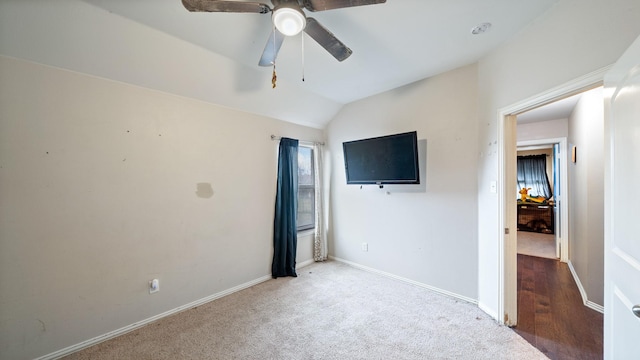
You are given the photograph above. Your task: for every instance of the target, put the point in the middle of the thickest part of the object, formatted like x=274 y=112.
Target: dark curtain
x=285 y=232
x=532 y=173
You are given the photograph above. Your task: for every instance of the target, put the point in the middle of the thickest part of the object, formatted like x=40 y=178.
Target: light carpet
x=330 y=311
x=537 y=244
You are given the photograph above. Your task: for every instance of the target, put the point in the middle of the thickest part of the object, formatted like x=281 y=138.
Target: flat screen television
x=391 y=159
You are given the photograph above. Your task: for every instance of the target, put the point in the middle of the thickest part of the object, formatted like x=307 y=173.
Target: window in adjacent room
x=532 y=174
x=306 y=189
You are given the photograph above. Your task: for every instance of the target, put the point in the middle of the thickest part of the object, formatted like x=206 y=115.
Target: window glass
x=306 y=189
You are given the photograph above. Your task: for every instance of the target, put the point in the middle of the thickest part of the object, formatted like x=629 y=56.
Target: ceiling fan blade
x=271 y=48
x=225 y=6
x=321 y=5
x=327 y=40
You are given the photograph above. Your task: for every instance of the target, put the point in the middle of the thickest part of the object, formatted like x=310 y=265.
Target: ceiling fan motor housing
x=288 y=17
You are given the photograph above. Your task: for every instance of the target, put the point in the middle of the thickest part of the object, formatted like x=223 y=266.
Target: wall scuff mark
x=204 y=190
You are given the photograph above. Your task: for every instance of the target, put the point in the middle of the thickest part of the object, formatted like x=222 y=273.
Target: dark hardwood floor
x=551 y=315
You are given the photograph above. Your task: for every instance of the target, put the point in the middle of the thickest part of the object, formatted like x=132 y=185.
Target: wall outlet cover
x=154 y=286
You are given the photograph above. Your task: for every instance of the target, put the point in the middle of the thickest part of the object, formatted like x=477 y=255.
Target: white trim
x=583 y=293
x=487 y=310
x=501 y=315
x=567 y=89
x=113 y=334
x=304 y=263
x=544 y=146
x=597 y=307
x=405 y=280
x=573 y=87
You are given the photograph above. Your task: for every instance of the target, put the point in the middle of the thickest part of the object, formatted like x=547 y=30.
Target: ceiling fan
x=288 y=19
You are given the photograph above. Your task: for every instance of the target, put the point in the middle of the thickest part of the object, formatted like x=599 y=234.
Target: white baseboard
x=112 y=334
x=409 y=281
x=583 y=293
x=597 y=307
x=304 y=263
x=490 y=312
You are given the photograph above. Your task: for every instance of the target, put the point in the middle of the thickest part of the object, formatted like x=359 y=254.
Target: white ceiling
x=393 y=44
x=560 y=109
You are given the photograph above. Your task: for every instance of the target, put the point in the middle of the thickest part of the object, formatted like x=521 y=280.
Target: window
x=306 y=189
x=532 y=174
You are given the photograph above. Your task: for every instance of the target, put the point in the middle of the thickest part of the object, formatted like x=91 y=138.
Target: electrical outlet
x=154 y=286
x=365 y=246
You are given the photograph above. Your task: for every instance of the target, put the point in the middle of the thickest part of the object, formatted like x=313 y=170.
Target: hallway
x=551 y=315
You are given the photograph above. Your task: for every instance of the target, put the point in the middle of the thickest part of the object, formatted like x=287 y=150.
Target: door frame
x=507 y=257
x=563 y=204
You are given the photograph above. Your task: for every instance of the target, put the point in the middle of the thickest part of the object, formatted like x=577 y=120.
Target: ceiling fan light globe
x=289 y=21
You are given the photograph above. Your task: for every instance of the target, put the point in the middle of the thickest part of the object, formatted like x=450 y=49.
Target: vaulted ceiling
x=395 y=43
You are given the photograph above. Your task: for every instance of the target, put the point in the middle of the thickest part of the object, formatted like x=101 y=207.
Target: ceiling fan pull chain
x=302 y=37
x=274 y=77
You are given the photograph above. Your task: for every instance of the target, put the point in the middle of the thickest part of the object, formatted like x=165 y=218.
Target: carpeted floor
x=537 y=244
x=330 y=311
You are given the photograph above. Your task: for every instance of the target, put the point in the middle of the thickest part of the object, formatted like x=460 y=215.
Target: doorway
x=507 y=135
x=532 y=304
x=542 y=226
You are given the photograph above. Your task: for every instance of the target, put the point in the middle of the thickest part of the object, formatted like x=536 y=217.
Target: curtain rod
x=273 y=137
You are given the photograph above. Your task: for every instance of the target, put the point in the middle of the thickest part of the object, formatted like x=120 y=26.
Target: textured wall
x=425 y=233
x=104 y=186
x=586 y=194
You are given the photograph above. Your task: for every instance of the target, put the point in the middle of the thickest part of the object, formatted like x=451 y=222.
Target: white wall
x=572 y=39
x=427 y=236
x=98 y=183
x=551 y=129
x=586 y=194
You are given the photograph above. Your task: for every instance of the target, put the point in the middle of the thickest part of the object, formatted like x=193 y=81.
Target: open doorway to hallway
x=542 y=221
x=557 y=237
x=565 y=139
x=591 y=293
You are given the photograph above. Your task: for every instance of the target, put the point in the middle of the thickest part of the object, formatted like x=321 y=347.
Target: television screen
x=391 y=159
